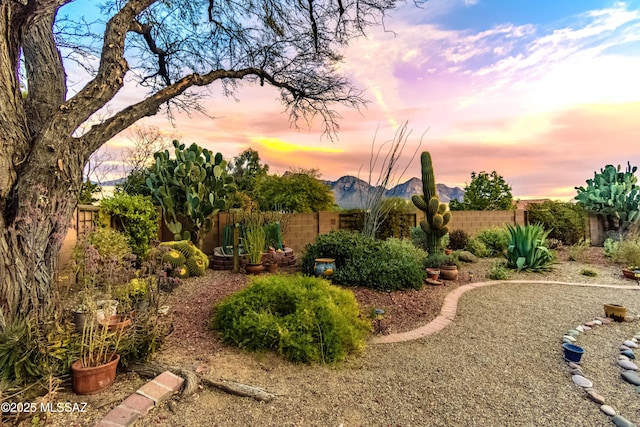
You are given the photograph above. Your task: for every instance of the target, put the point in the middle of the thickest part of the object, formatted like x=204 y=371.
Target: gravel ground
x=499 y=364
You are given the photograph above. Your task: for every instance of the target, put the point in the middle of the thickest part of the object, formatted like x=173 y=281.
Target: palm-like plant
x=526 y=250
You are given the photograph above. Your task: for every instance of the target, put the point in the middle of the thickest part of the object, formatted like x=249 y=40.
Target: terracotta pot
x=254 y=268
x=272 y=268
x=93 y=379
x=448 y=251
x=629 y=274
x=433 y=273
x=615 y=311
x=115 y=322
x=448 y=272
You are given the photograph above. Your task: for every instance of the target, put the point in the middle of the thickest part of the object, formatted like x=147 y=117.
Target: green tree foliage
x=246 y=169
x=299 y=190
x=191 y=188
x=135 y=184
x=87 y=192
x=136 y=216
x=485 y=192
x=614 y=196
x=566 y=221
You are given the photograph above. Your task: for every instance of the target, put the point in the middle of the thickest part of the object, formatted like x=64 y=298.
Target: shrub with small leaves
x=477 y=248
x=498 y=271
x=466 y=256
x=305 y=319
x=495 y=239
x=578 y=251
x=458 y=239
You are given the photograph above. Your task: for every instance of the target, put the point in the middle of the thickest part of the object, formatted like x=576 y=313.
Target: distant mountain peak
x=349 y=191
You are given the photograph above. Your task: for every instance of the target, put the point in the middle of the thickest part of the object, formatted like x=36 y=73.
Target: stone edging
x=450 y=305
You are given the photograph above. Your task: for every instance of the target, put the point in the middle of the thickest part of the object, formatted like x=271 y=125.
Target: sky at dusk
x=543 y=92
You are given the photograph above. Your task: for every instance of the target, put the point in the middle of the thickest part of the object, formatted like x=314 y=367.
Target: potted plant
x=449 y=268
x=96 y=368
x=254 y=240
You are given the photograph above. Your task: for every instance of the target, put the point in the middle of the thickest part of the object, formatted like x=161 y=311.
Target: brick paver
x=450 y=305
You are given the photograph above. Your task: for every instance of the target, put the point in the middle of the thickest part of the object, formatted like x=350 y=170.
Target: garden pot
x=572 y=353
x=272 y=268
x=448 y=272
x=448 y=251
x=93 y=379
x=114 y=323
x=615 y=311
x=80 y=318
x=433 y=273
x=324 y=267
x=254 y=268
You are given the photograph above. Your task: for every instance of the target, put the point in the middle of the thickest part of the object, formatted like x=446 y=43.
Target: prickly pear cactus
x=614 y=196
x=191 y=189
x=436 y=215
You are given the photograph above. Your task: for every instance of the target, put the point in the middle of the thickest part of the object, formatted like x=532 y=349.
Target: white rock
x=608 y=410
x=581 y=381
x=623 y=357
x=579 y=328
x=630 y=344
x=627 y=364
x=597 y=322
x=569 y=337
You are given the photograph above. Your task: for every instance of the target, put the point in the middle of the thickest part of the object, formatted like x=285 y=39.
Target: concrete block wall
x=474 y=221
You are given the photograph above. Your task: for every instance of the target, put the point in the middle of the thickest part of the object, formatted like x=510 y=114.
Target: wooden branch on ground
x=192 y=381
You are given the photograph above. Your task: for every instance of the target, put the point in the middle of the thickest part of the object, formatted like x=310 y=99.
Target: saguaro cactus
x=191 y=189
x=436 y=215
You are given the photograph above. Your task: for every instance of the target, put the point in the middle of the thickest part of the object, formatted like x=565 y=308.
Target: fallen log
x=192 y=381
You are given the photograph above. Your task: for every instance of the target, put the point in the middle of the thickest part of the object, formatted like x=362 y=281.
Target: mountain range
x=349 y=191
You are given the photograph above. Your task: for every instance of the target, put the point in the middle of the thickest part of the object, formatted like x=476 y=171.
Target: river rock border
x=629 y=368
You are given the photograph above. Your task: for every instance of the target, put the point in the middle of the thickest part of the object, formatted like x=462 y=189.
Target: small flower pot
x=615 y=311
x=433 y=273
x=572 y=353
x=94 y=378
x=254 y=268
x=324 y=267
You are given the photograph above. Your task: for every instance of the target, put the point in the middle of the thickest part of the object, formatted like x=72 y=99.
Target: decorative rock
x=627 y=364
x=621 y=421
x=629 y=353
x=590 y=324
x=630 y=344
x=608 y=410
x=584 y=382
x=605 y=320
x=576 y=371
x=586 y=328
x=570 y=338
x=635 y=340
x=579 y=328
x=597 y=322
x=574 y=365
x=566 y=341
x=595 y=396
x=629 y=318
x=572 y=333
x=631 y=377
x=623 y=357
x=624 y=348
x=637 y=337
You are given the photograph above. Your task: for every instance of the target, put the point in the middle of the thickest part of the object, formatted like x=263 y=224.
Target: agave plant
x=526 y=250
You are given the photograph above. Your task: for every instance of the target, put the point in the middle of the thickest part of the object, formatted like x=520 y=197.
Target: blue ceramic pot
x=324 y=267
x=572 y=353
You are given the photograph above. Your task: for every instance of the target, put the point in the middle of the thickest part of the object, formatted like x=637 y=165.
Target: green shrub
x=627 y=251
x=458 y=239
x=495 y=239
x=418 y=238
x=610 y=247
x=577 y=252
x=477 y=248
x=526 y=250
x=588 y=272
x=565 y=220
x=466 y=256
x=436 y=260
x=498 y=272
x=387 y=265
x=136 y=216
x=303 y=318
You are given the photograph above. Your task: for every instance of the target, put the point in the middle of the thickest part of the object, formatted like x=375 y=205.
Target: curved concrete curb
x=450 y=305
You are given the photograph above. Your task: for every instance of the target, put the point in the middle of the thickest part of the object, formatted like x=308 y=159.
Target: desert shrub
x=495 y=239
x=498 y=272
x=477 y=248
x=303 y=318
x=626 y=251
x=136 y=216
x=436 y=260
x=466 y=256
x=526 y=250
x=577 y=252
x=610 y=247
x=552 y=243
x=418 y=238
x=588 y=272
x=458 y=239
x=565 y=220
x=388 y=265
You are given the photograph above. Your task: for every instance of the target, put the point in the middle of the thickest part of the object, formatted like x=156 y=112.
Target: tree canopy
x=297 y=191
x=169 y=48
x=485 y=192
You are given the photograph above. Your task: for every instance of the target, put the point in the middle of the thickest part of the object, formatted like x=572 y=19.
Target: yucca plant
x=526 y=250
